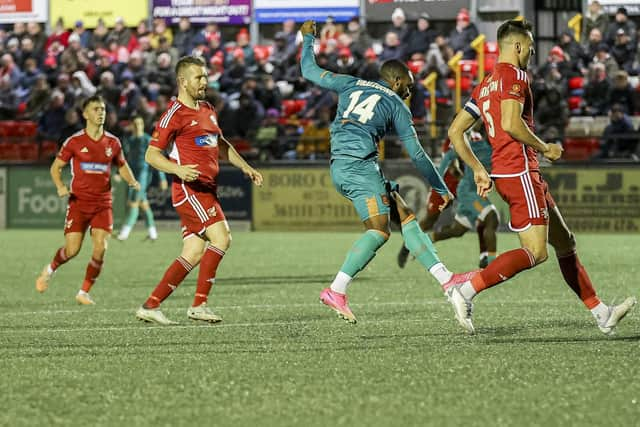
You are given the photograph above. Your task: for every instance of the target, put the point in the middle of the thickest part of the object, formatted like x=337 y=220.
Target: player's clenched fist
x=446 y=200
x=188 y=172
x=554 y=151
x=255 y=176
x=483 y=182
x=63 y=191
x=308 y=27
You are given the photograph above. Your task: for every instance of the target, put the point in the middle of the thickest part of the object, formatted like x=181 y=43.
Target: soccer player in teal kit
x=366 y=110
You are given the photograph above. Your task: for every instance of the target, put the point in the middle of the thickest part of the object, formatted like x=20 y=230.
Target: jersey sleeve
x=165 y=130
x=514 y=85
x=471 y=106
x=118 y=154
x=403 y=125
x=66 y=151
x=312 y=72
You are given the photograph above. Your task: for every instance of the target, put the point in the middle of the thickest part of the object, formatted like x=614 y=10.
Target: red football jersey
x=194 y=133
x=510 y=157
x=91 y=162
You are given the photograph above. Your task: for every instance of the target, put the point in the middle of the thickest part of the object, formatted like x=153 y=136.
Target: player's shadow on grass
x=515 y=333
x=561 y=340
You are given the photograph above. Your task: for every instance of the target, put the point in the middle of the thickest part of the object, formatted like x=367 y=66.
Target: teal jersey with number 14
x=366 y=111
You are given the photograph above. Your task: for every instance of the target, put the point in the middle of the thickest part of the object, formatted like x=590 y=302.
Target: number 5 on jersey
x=491 y=130
x=363 y=110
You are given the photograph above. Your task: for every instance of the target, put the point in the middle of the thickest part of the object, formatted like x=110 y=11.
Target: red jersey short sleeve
x=118 y=154
x=166 y=128
x=66 y=151
x=514 y=85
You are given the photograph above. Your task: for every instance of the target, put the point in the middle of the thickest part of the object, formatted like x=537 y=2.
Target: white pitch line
x=270 y=306
x=149 y=327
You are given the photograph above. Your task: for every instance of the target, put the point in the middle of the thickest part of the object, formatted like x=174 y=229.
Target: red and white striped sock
x=93 y=271
x=172 y=278
x=207 y=274
x=58 y=259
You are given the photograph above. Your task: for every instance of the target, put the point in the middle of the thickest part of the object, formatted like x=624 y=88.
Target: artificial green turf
x=282 y=359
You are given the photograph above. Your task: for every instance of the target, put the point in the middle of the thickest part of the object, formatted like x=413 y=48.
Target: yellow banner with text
x=301 y=199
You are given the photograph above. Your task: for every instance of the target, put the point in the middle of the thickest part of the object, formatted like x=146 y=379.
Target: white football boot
x=616 y=314
x=462 y=308
x=153 y=315
x=204 y=313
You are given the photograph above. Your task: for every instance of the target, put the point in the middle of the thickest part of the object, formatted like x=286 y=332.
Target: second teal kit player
x=366 y=111
x=135 y=145
x=472 y=211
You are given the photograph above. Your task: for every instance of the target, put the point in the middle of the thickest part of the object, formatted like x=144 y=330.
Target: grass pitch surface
x=280 y=358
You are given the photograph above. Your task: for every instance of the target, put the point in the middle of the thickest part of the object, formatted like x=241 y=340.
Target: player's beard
x=199 y=95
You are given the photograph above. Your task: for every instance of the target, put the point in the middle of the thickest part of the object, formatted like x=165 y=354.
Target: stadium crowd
x=266 y=107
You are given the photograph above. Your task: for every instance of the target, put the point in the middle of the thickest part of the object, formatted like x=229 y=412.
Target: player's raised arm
x=513 y=123
x=228 y=152
x=310 y=70
x=461 y=123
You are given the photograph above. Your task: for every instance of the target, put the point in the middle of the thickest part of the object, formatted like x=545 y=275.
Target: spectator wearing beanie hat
x=604 y=57
x=400 y=26
x=623 y=22
x=463 y=34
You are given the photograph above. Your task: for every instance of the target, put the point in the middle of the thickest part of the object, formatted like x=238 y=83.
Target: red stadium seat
x=466 y=84
x=416 y=66
x=293 y=106
x=28 y=151
x=469 y=67
x=301 y=104
x=9 y=128
x=490 y=62
x=576 y=83
x=580 y=148
x=288 y=107
x=451 y=83
x=26 y=128
x=48 y=149
x=575 y=102
x=244 y=147
x=10 y=151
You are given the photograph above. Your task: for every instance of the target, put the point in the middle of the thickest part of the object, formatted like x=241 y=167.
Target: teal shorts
x=470 y=207
x=144 y=179
x=362 y=182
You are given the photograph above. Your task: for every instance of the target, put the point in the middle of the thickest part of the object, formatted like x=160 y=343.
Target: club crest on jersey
x=212 y=212
x=515 y=89
x=108 y=151
x=207 y=141
x=213 y=119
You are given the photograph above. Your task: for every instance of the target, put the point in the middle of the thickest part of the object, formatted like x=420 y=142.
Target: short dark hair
x=514 y=26
x=93 y=98
x=185 y=61
x=393 y=69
